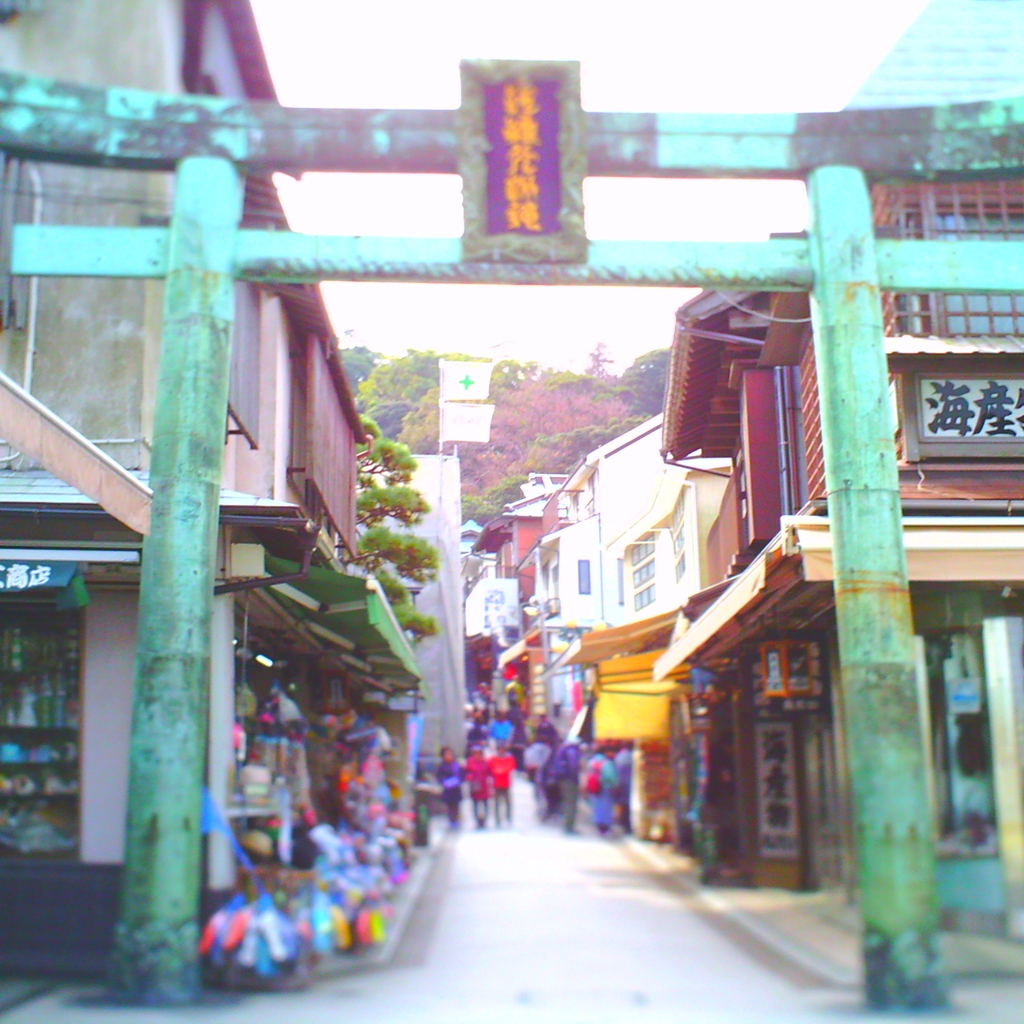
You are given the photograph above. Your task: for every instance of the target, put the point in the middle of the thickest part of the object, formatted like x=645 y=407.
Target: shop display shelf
x=63 y=763
x=63 y=730
x=36 y=796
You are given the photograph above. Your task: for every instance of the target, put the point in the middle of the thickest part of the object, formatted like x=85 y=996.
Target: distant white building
x=441 y=658
x=627 y=545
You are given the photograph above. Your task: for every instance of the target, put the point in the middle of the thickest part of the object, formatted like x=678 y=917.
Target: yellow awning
x=631 y=716
x=630 y=704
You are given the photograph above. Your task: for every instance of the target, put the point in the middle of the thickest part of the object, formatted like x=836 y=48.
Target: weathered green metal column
x=895 y=846
x=155 y=958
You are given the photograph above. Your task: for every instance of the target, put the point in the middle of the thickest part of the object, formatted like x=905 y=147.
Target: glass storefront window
x=39 y=720
x=961 y=745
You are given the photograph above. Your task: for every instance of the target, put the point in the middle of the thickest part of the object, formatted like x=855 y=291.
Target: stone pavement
x=820 y=931
x=529 y=925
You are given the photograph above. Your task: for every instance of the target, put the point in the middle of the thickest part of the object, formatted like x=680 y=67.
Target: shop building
x=772 y=800
x=501 y=571
x=662 y=563
x=288 y=624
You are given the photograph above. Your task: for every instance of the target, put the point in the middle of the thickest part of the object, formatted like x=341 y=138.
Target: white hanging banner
x=465 y=421
x=464 y=381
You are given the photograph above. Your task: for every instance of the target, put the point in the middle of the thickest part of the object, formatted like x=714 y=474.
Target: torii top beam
x=48 y=120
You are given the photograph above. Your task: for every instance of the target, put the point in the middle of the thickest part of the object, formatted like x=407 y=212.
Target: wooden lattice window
x=986 y=210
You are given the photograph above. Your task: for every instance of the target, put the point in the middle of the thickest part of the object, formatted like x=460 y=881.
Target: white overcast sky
x=797 y=55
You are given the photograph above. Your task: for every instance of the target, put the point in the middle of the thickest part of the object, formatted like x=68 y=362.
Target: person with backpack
x=602 y=783
x=565 y=770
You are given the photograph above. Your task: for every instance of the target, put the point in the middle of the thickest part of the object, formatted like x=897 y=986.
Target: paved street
x=527 y=924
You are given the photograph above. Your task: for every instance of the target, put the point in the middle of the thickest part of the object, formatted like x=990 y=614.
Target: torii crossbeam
x=212 y=142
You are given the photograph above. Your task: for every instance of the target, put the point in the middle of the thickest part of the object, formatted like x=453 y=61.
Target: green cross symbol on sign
x=467 y=382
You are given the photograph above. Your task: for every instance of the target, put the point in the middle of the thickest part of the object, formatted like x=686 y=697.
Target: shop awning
x=631 y=704
x=518 y=648
x=978 y=549
x=354 y=614
x=665 y=499
x=629 y=716
x=939 y=548
x=601 y=644
x=734 y=601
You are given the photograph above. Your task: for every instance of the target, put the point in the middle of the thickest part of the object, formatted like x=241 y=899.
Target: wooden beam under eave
x=38 y=433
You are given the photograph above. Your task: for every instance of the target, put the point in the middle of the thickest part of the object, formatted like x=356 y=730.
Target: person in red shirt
x=478 y=775
x=502 y=765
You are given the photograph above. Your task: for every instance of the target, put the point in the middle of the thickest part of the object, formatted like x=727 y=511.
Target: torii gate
x=211 y=142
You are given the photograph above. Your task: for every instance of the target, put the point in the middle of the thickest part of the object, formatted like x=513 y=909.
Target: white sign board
x=465 y=421
x=492 y=608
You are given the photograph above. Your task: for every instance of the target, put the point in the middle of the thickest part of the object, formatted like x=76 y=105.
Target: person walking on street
x=551 y=788
x=449 y=775
x=502 y=765
x=478 y=776
x=535 y=758
x=517 y=744
x=477 y=734
x=501 y=729
x=602 y=780
x=565 y=769
x=547 y=733
x=623 y=762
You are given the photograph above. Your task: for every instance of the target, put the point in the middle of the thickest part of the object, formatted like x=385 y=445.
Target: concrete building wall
x=442 y=657
x=95 y=346
x=108 y=654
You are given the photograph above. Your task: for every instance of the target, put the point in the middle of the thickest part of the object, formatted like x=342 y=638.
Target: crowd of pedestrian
x=501 y=741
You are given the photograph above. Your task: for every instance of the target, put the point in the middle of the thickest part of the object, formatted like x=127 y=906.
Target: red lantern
x=510 y=672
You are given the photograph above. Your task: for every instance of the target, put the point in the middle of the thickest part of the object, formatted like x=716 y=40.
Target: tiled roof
x=956 y=51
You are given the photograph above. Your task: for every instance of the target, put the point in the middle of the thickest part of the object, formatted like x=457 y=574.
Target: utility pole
x=895 y=847
x=156 y=958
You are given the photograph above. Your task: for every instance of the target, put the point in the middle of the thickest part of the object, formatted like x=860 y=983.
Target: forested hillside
x=545 y=420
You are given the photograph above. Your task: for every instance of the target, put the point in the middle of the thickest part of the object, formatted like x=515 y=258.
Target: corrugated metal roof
x=909 y=345
x=956 y=51
x=34 y=487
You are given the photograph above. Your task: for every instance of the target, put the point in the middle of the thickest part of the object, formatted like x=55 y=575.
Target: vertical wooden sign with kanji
x=522 y=157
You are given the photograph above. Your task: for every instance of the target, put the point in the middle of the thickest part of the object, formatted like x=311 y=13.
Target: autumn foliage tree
x=545 y=420
x=387 y=508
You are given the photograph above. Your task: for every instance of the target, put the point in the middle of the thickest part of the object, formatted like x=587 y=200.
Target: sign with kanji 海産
x=972 y=407
x=967 y=414
x=522 y=156
x=777 y=824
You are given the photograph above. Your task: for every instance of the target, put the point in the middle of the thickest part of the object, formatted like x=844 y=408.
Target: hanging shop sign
x=789 y=676
x=777 y=824
x=522 y=157
x=965 y=415
x=17 y=576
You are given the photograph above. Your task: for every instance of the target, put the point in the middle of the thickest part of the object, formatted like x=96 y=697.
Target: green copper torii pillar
x=895 y=845
x=155 y=958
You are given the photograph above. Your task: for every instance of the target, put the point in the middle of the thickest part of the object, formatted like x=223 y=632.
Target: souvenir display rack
x=39 y=732
x=322 y=843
